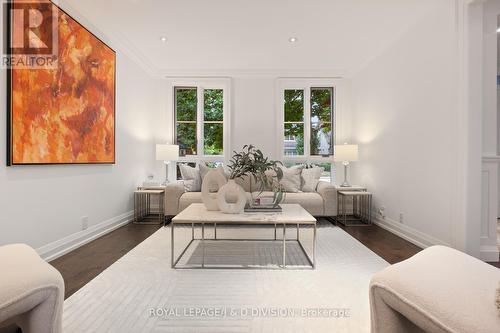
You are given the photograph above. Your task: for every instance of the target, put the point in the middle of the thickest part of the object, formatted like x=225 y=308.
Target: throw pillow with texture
x=204 y=169
x=291 y=180
x=310 y=178
x=191 y=178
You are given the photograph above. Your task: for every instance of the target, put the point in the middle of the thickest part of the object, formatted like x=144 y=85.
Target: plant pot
x=237 y=196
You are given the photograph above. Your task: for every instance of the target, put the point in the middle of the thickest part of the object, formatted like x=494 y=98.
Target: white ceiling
x=221 y=35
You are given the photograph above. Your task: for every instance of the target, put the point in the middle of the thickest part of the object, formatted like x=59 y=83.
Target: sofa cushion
x=189 y=198
x=195 y=197
x=312 y=201
x=245 y=183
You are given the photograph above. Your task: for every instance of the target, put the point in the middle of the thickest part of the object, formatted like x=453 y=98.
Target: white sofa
x=321 y=203
x=438 y=290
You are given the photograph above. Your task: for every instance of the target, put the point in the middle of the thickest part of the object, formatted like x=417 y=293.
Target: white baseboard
x=62 y=246
x=412 y=235
x=489 y=253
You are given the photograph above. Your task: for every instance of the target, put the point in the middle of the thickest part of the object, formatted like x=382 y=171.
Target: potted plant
x=265 y=173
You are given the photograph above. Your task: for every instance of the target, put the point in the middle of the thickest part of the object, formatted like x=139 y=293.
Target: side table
x=350 y=188
x=358 y=212
x=143 y=214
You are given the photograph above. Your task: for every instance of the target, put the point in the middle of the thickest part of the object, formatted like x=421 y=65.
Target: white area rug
x=141 y=293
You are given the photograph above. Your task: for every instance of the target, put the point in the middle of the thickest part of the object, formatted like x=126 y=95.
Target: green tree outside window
x=186 y=107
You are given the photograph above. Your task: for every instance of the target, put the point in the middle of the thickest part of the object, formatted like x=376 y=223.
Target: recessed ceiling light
x=498 y=30
x=163 y=39
x=293 y=39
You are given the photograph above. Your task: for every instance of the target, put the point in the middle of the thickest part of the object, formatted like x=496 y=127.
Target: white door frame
x=467 y=203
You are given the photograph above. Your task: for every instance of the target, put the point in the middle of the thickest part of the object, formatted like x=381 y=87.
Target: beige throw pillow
x=191 y=178
x=204 y=169
x=310 y=178
x=291 y=180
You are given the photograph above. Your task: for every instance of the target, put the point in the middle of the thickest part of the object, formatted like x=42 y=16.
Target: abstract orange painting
x=64 y=114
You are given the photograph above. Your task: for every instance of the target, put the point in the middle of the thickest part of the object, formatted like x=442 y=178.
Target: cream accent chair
x=438 y=290
x=31 y=291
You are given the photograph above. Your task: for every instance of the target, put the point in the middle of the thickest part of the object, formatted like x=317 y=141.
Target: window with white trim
x=307 y=132
x=200 y=118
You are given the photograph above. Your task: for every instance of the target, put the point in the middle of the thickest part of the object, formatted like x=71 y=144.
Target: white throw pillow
x=310 y=178
x=191 y=178
x=291 y=178
x=204 y=169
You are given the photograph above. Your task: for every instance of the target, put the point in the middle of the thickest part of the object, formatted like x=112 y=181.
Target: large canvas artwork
x=64 y=114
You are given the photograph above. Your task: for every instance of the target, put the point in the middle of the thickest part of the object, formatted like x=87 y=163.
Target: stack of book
x=263 y=209
x=263 y=204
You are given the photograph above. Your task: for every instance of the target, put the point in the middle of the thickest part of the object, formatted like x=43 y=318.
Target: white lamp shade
x=346 y=153
x=167 y=152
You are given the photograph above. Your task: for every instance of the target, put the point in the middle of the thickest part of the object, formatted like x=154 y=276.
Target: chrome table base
x=203 y=239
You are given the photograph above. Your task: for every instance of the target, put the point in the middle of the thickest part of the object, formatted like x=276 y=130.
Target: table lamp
x=167 y=153
x=346 y=153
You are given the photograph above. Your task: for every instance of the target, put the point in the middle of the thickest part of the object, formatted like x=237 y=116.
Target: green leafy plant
x=252 y=162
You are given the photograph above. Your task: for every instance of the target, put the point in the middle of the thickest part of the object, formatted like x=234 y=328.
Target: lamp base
x=345 y=183
x=167 y=163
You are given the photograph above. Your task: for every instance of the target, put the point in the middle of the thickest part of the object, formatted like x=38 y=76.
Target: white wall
x=403 y=118
x=43 y=205
x=253 y=113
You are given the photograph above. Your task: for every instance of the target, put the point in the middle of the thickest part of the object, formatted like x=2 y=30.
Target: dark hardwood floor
x=384 y=243
x=496 y=264
x=85 y=263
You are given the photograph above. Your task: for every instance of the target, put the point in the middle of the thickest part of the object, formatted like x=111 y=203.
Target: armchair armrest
x=173 y=193
x=329 y=194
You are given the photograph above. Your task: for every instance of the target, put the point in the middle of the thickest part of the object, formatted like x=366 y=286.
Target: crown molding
x=470 y=2
x=231 y=72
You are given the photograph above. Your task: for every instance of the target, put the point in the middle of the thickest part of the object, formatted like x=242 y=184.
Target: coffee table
x=197 y=214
